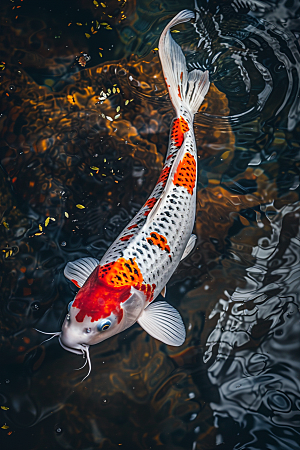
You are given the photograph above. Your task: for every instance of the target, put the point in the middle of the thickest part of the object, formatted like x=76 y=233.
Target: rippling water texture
x=85 y=120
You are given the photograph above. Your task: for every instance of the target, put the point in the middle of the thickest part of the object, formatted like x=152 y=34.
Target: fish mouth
x=78 y=351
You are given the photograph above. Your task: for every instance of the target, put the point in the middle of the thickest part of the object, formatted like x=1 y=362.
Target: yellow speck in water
x=225 y=155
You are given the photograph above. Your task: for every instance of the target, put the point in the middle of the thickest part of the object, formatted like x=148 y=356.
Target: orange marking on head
x=180 y=126
x=159 y=240
x=108 y=287
x=126 y=238
x=186 y=173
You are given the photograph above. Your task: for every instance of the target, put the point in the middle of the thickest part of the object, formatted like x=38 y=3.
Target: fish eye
x=104 y=325
x=88 y=330
x=70 y=304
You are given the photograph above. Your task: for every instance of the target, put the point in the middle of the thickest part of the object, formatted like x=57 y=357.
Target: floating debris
x=83 y=58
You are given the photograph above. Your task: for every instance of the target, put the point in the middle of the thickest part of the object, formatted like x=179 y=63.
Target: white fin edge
x=163 y=322
x=185 y=89
x=189 y=246
x=79 y=270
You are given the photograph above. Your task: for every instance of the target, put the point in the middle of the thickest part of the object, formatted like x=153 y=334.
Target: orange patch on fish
x=159 y=240
x=186 y=173
x=180 y=126
x=121 y=272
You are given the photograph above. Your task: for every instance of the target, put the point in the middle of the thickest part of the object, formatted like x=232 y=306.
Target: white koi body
x=119 y=290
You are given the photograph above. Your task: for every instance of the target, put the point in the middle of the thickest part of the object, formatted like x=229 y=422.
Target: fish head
x=98 y=312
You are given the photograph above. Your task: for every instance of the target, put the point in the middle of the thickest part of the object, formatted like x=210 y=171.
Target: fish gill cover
x=85 y=119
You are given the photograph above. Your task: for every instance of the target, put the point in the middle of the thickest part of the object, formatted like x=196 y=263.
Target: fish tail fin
x=186 y=89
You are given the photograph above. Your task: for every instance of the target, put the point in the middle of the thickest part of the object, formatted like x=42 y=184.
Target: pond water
x=85 y=119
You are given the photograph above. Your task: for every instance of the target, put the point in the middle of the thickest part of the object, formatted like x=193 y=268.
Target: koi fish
x=120 y=289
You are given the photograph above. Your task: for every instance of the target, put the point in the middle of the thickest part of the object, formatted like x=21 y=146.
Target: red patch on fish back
x=164 y=176
x=186 y=173
x=150 y=203
x=108 y=287
x=159 y=240
x=179 y=93
x=132 y=226
x=180 y=126
x=126 y=238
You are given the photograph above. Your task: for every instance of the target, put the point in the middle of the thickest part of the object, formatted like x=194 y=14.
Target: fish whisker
x=88 y=360
x=83 y=364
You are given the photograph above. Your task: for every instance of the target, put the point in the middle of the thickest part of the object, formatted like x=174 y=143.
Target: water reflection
x=234 y=383
x=253 y=350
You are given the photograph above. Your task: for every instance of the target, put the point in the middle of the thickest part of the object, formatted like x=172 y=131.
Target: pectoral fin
x=164 y=291
x=163 y=322
x=78 y=271
x=189 y=247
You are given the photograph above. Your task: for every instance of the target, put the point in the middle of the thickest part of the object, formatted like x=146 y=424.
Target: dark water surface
x=235 y=383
